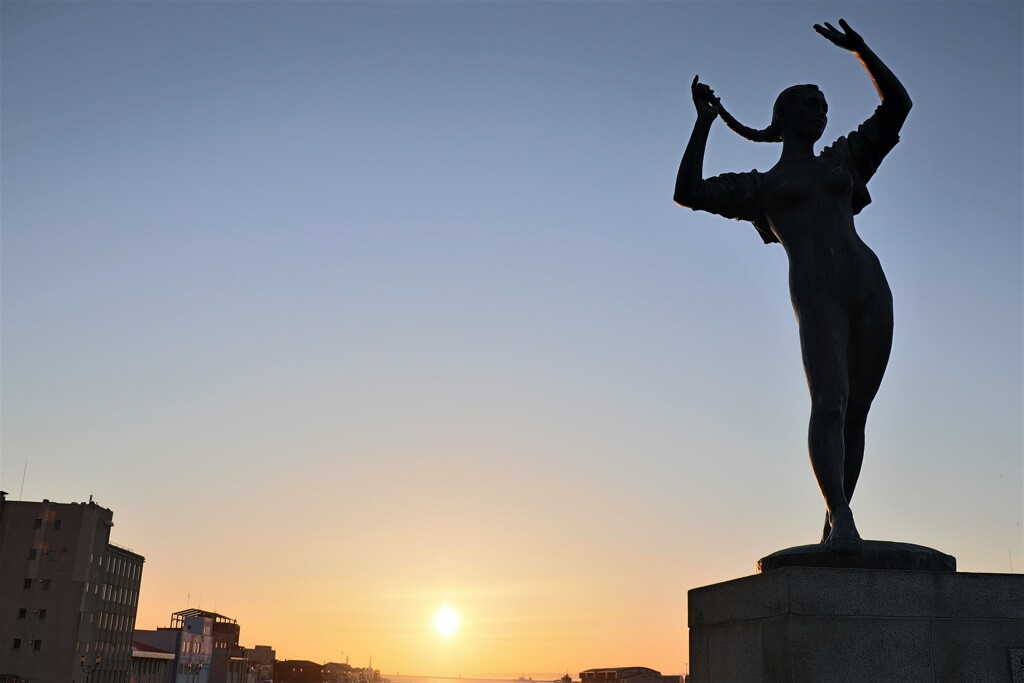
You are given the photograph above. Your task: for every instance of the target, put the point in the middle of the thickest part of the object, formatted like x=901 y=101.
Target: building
x=627 y=674
x=191 y=643
x=298 y=671
x=263 y=656
x=338 y=672
x=203 y=643
x=67 y=594
x=224 y=632
x=150 y=664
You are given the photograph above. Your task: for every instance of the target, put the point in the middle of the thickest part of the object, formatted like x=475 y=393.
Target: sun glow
x=446 y=621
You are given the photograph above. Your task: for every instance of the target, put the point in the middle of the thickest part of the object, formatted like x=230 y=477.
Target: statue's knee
x=857 y=415
x=829 y=408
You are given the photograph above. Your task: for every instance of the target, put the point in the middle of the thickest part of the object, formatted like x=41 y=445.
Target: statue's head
x=799 y=110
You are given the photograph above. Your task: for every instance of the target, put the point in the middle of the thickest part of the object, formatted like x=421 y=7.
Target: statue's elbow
x=905 y=103
x=684 y=199
x=900 y=103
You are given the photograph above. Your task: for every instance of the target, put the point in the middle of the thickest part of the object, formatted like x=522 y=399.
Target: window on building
x=16 y=644
x=37 y=645
x=27 y=583
x=56 y=524
x=37 y=523
x=21 y=612
x=42 y=614
x=46 y=584
x=32 y=553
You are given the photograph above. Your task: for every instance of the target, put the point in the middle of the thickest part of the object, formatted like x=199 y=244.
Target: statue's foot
x=827 y=530
x=844 y=537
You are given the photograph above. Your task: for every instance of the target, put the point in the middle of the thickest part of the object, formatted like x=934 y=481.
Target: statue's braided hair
x=773 y=133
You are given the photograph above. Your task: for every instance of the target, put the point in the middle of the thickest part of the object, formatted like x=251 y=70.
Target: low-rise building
x=626 y=674
x=151 y=664
x=298 y=671
x=263 y=657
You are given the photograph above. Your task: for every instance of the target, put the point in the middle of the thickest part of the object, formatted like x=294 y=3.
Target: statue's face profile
x=802 y=112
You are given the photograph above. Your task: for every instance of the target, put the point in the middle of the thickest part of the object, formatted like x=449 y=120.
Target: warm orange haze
x=377 y=330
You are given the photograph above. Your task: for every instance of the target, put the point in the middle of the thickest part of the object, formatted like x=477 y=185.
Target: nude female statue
x=842 y=301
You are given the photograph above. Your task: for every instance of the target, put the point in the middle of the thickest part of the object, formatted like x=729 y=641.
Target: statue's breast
x=839 y=181
x=793 y=185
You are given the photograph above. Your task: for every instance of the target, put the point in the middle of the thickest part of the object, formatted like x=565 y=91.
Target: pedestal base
x=812 y=624
x=872 y=555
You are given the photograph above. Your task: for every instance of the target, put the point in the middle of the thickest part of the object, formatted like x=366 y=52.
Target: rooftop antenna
x=21 y=492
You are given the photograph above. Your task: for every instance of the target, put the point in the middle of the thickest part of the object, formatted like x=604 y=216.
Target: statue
x=842 y=301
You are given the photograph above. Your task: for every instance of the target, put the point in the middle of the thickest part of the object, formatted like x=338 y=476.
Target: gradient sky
x=350 y=310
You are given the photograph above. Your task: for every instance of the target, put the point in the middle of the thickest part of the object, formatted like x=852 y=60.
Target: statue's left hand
x=850 y=40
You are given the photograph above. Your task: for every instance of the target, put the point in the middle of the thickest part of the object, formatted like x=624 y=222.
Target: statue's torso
x=807 y=203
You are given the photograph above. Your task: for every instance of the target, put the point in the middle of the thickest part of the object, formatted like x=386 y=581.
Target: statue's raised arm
x=892 y=93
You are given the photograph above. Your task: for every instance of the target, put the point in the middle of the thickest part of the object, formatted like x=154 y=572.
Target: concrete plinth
x=798 y=624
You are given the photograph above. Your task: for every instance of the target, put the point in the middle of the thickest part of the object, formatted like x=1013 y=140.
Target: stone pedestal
x=810 y=624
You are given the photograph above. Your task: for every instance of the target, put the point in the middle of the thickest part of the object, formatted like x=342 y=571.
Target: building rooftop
x=178 y=618
x=620 y=672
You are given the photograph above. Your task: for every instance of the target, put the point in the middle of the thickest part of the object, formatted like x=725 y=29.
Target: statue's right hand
x=704 y=100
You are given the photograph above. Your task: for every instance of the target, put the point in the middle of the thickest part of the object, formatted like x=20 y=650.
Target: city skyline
x=350 y=311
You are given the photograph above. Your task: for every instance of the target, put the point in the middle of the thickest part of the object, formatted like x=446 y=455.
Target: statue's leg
x=870 y=344
x=824 y=341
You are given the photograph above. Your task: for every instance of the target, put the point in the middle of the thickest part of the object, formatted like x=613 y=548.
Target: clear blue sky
x=407 y=277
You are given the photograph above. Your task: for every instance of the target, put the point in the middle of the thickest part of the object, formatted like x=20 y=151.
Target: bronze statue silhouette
x=842 y=301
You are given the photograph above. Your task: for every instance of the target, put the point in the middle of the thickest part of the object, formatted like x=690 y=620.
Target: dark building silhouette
x=298 y=671
x=626 y=674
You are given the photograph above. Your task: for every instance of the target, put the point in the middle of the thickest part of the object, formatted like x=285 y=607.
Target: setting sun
x=446 y=621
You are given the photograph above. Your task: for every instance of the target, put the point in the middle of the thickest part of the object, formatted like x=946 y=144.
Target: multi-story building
x=190 y=639
x=203 y=644
x=68 y=596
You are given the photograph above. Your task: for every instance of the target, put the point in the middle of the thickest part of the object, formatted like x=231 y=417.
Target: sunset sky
x=351 y=311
